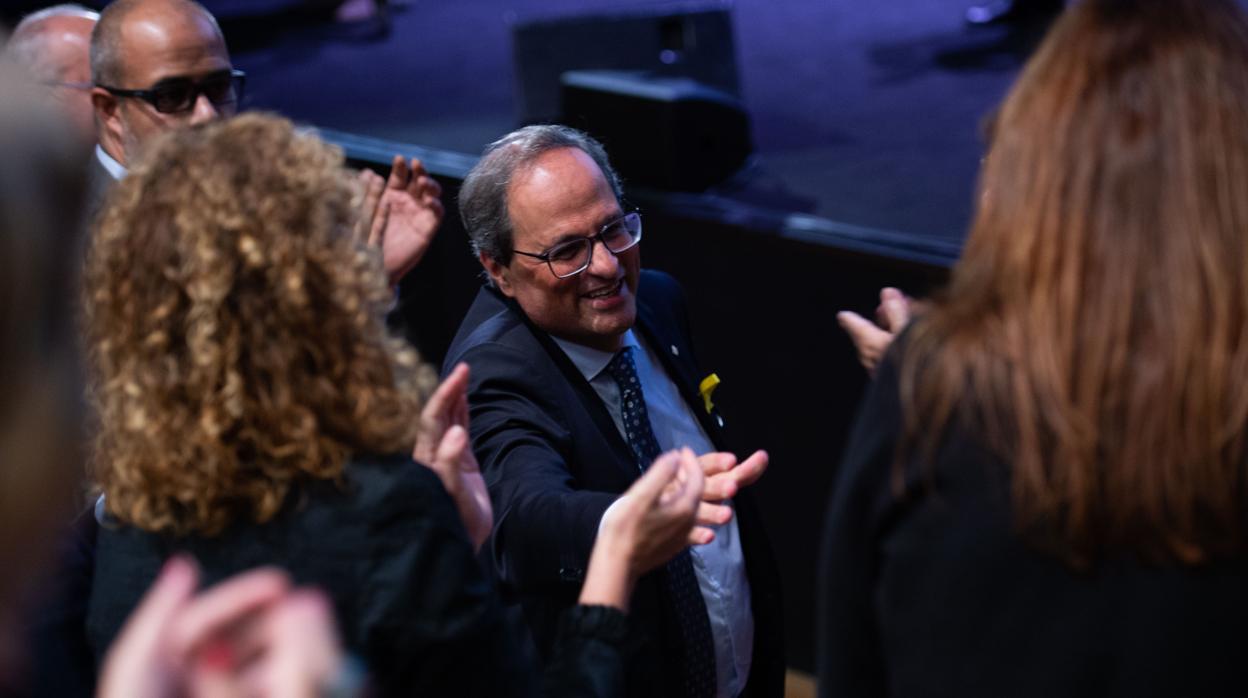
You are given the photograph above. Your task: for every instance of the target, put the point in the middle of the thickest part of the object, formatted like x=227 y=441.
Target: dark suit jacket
x=554 y=461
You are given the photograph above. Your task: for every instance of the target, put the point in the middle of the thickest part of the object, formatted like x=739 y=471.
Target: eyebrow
x=569 y=237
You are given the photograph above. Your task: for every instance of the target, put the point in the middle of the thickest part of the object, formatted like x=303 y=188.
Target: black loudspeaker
x=689 y=39
x=667 y=133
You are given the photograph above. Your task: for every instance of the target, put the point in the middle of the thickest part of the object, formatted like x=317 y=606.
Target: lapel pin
x=706 y=389
x=675 y=351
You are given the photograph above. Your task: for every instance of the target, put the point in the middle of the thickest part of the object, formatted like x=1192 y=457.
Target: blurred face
x=561 y=196
x=161 y=46
x=66 y=54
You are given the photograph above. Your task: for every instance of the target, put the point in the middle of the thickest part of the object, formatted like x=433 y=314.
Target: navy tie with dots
x=690 y=609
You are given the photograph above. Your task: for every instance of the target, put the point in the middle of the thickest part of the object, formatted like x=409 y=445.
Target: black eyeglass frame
x=591 y=239
x=238 y=80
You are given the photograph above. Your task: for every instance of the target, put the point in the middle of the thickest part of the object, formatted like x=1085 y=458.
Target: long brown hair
x=236 y=330
x=1096 y=328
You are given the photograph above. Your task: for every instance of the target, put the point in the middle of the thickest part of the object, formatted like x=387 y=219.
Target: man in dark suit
x=582 y=370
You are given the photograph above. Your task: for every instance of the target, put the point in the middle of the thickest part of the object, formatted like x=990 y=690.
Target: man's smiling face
x=560 y=196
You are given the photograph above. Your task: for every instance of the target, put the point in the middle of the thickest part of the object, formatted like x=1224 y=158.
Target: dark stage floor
x=870 y=109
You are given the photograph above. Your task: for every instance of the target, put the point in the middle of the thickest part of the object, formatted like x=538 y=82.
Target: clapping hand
x=442 y=444
x=250 y=635
x=400 y=215
x=872 y=339
x=652 y=522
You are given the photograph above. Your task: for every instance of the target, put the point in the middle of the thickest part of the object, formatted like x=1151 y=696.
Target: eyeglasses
x=69 y=85
x=573 y=257
x=178 y=95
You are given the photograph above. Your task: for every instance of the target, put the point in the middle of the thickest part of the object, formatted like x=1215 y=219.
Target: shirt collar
x=114 y=168
x=589 y=361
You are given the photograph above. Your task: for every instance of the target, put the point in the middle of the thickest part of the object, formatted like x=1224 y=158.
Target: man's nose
x=604 y=262
x=204 y=110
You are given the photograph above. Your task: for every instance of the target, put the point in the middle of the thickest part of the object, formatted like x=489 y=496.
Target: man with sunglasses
x=163 y=64
x=157 y=65
x=582 y=371
x=53 y=45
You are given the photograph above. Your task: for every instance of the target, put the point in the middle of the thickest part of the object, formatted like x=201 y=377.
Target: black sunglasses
x=177 y=95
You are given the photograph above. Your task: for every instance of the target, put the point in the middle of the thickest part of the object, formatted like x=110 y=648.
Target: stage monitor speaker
x=667 y=133
x=688 y=39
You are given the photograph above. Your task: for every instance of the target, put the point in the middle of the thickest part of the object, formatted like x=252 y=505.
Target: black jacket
x=931 y=592
x=554 y=461
x=410 y=599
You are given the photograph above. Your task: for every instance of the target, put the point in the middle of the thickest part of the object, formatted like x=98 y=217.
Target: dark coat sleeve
x=849 y=657
x=429 y=619
x=545 y=522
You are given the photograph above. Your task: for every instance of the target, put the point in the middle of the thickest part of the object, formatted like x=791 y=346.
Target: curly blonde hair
x=235 y=330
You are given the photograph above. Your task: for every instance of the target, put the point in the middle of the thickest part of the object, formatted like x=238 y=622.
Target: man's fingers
x=713 y=514
x=377 y=237
x=430 y=187
x=752 y=468
x=226 y=604
x=400 y=175
x=720 y=487
x=716 y=462
x=700 y=535
x=434 y=204
x=373 y=185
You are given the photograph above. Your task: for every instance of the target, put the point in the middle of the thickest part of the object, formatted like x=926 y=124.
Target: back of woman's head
x=1096 y=329
x=42 y=182
x=236 y=329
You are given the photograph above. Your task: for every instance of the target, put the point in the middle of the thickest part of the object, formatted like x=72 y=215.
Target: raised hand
x=871 y=339
x=442 y=444
x=724 y=478
x=400 y=215
x=411 y=213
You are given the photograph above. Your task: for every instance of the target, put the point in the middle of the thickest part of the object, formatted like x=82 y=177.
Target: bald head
x=129 y=28
x=148 y=44
x=53 y=46
x=54 y=43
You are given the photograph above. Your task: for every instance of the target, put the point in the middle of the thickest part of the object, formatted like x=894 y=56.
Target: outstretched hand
x=645 y=528
x=400 y=215
x=724 y=478
x=872 y=339
x=442 y=444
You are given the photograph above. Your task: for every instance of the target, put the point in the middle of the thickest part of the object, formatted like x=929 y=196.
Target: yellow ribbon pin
x=706 y=389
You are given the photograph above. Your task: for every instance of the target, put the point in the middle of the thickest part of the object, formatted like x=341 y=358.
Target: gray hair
x=28 y=44
x=483 y=196
x=106 y=40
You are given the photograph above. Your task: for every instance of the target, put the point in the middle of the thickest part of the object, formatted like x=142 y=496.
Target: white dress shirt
x=719 y=565
x=114 y=168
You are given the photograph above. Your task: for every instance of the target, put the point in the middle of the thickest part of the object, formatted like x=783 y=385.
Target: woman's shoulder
x=392 y=491
x=379 y=479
